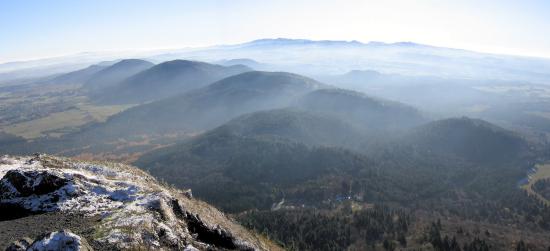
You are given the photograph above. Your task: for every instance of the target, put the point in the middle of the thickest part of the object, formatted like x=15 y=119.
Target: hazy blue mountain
x=77 y=77
x=371 y=80
x=209 y=106
x=323 y=57
x=75 y=73
x=439 y=96
x=471 y=139
x=362 y=111
x=243 y=61
x=314 y=58
x=357 y=77
x=295 y=125
x=277 y=42
x=167 y=79
x=39 y=68
x=116 y=73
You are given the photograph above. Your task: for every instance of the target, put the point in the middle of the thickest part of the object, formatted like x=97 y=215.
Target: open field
x=57 y=123
x=542 y=172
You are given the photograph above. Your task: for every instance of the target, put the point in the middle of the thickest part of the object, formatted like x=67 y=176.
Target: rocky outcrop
x=17 y=186
x=27 y=183
x=204 y=233
x=134 y=210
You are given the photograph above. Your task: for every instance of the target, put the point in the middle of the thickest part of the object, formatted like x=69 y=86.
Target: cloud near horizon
x=35 y=29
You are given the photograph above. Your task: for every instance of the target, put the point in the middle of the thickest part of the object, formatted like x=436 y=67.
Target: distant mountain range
x=302 y=42
x=164 y=80
x=79 y=76
x=114 y=74
x=335 y=57
x=324 y=57
x=211 y=105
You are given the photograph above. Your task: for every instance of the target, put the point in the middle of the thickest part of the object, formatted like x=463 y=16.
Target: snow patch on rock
x=62 y=240
x=190 y=248
x=128 y=199
x=135 y=209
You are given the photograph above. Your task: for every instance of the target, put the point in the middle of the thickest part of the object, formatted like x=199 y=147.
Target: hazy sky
x=39 y=28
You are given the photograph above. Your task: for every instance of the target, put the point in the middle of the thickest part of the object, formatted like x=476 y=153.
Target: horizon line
x=152 y=50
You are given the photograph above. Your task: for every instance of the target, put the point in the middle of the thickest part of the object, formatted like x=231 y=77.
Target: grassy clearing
x=542 y=172
x=56 y=124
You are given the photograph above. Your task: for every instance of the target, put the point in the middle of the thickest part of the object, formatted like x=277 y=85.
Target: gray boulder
x=25 y=183
x=60 y=240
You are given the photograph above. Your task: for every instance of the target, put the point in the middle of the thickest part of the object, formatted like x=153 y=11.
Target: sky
x=32 y=29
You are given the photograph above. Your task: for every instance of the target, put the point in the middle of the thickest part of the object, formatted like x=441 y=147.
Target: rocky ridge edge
x=135 y=210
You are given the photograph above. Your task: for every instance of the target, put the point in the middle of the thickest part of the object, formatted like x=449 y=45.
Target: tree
x=389 y=245
x=521 y=246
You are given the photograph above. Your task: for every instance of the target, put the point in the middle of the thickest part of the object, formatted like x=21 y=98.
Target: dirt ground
x=35 y=225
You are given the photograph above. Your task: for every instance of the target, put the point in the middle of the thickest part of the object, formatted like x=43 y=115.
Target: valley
x=362 y=160
x=58 y=123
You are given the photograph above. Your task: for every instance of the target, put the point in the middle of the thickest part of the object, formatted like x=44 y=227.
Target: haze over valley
x=276 y=144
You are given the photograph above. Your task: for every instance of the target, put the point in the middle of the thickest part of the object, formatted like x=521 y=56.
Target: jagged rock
x=134 y=209
x=62 y=240
x=214 y=236
x=177 y=209
x=188 y=193
x=26 y=183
